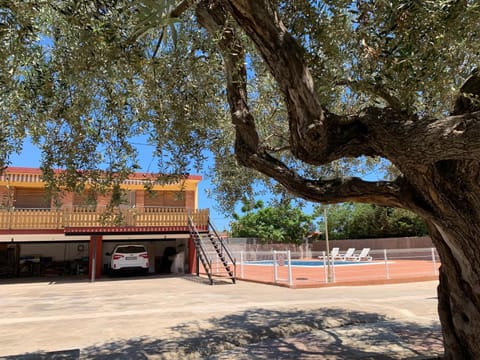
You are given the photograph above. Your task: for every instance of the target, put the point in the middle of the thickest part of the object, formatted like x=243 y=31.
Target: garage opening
x=71 y=258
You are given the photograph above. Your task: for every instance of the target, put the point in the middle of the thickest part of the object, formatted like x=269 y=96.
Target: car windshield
x=130 y=249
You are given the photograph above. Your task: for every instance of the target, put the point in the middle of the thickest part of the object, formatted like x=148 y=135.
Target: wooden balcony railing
x=24 y=219
x=47 y=219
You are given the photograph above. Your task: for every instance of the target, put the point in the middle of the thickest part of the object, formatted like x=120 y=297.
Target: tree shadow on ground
x=270 y=334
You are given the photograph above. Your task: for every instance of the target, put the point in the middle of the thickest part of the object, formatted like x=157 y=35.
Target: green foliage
x=360 y=221
x=282 y=223
x=80 y=79
x=416 y=51
x=85 y=79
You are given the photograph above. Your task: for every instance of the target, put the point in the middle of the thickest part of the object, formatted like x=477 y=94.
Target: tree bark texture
x=438 y=158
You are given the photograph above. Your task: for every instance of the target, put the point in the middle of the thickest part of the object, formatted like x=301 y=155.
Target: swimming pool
x=305 y=263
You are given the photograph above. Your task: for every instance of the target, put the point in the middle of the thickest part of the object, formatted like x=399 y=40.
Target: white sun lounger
x=363 y=255
x=334 y=254
x=348 y=254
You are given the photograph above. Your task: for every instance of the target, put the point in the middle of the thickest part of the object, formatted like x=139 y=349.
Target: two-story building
x=40 y=237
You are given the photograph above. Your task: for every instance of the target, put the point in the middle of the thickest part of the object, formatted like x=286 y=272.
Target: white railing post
x=434 y=261
x=387 y=272
x=289 y=258
x=334 y=276
x=242 y=275
x=325 y=270
x=275 y=270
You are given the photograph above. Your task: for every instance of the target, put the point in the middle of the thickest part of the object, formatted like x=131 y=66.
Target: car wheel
x=113 y=272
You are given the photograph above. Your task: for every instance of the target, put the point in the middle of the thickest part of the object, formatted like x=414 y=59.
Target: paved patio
x=184 y=318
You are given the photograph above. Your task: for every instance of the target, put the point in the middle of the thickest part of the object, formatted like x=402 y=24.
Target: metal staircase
x=223 y=252
x=212 y=253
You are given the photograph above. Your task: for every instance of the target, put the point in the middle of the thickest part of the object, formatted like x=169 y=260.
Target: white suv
x=129 y=257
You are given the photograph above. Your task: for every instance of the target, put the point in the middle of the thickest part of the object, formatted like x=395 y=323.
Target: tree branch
x=387 y=132
x=214 y=19
x=315 y=134
x=469 y=98
x=248 y=150
x=181 y=8
x=454 y=137
x=316 y=137
x=284 y=57
x=328 y=191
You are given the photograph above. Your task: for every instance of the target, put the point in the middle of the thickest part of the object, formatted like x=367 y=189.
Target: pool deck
x=369 y=273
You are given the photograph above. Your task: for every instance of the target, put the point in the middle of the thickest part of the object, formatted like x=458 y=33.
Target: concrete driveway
x=185 y=318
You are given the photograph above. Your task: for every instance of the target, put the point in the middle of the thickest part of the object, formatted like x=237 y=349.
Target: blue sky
x=30 y=157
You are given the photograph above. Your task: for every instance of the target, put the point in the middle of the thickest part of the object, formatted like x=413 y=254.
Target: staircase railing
x=201 y=253
x=223 y=252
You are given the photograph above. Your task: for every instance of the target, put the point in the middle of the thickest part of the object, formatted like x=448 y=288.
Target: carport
x=60 y=254
x=48 y=254
x=161 y=242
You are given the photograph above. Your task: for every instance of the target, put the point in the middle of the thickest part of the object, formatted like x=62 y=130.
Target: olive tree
x=314 y=90
x=364 y=221
x=282 y=222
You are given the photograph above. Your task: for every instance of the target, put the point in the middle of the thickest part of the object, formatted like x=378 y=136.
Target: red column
x=95 y=248
x=192 y=257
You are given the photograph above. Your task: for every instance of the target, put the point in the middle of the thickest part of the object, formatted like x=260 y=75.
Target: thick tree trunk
x=438 y=158
x=458 y=301
x=452 y=191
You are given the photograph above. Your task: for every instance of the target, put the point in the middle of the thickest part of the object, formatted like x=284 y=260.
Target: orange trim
x=23 y=170
x=30 y=231
x=129 y=230
x=37 y=171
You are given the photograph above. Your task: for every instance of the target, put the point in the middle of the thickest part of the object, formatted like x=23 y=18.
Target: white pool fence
x=281 y=267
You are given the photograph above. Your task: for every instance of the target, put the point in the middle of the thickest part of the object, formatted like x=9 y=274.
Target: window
x=31 y=199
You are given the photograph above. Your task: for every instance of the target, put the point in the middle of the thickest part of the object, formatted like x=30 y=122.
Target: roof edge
x=38 y=171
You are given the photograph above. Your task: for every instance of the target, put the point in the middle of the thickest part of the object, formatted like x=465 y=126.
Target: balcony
x=85 y=220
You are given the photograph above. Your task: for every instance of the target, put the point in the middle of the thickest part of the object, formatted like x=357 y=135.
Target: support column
x=192 y=257
x=95 y=255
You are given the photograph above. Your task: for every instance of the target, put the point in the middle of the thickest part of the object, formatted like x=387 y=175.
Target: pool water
x=306 y=263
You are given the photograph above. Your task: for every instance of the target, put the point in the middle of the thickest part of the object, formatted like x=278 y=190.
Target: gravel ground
x=239 y=322
x=322 y=334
